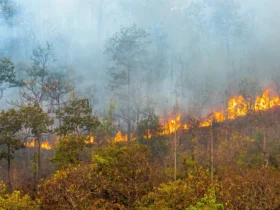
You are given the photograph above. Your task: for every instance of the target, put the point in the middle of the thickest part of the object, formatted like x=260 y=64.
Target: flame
x=30 y=144
x=90 y=140
x=44 y=145
x=237 y=107
x=122 y=138
x=206 y=123
x=149 y=135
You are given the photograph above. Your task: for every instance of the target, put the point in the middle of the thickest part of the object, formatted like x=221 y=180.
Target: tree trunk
x=265 y=150
x=128 y=107
x=59 y=118
x=212 y=153
x=39 y=159
x=9 y=167
x=175 y=154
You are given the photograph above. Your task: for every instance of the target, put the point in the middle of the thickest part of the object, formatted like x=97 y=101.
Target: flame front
x=237 y=107
x=44 y=145
x=90 y=140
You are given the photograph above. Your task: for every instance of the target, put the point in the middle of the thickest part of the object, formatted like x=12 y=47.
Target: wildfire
x=149 y=135
x=173 y=125
x=122 y=138
x=90 y=140
x=237 y=107
x=44 y=145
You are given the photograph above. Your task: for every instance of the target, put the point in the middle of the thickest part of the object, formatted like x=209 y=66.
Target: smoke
x=184 y=32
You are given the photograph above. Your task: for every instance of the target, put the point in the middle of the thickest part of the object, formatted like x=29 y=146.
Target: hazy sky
x=78 y=30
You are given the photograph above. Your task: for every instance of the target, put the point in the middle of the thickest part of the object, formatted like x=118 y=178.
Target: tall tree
x=58 y=86
x=10 y=125
x=7 y=75
x=127 y=51
x=76 y=118
x=8 y=9
x=37 y=76
x=36 y=122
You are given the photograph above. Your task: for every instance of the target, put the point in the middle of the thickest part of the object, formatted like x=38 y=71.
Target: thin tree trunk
x=59 y=119
x=265 y=150
x=9 y=167
x=39 y=159
x=175 y=153
x=128 y=107
x=212 y=154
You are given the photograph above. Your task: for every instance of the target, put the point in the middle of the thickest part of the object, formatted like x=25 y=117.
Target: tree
x=7 y=75
x=149 y=132
x=117 y=177
x=37 y=77
x=16 y=201
x=68 y=189
x=10 y=125
x=90 y=93
x=228 y=22
x=127 y=50
x=58 y=86
x=76 y=118
x=7 y=10
x=36 y=123
x=207 y=203
x=249 y=88
x=125 y=173
x=245 y=188
x=67 y=150
x=107 y=128
x=178 y=194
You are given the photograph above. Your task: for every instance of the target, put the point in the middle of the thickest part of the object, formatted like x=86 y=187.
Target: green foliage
x=35 y=119
x=7 y=74
x=178 y=194
x=118 y=177
x=107 y=128
x=149 y=132
x=10 y=125
x=15 y=201
x=207 y=203
x=127 y=50
x=3 y=188
x=149 y=127
x=126 y=172
x=67 y=150
x=77 y=118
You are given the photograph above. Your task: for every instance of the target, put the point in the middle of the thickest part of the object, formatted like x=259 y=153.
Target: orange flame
x=44 y=145
x=149 y=135
x=90 y=140
x=122 y=138
x=237 y=107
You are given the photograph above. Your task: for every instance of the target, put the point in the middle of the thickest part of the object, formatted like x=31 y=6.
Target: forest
x=139 y=104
